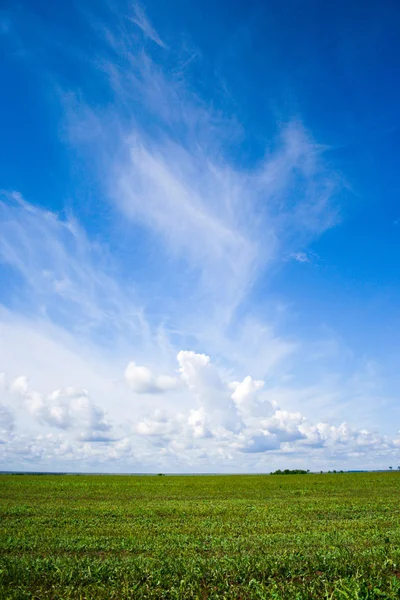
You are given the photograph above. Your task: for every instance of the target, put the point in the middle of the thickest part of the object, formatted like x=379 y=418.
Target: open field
x=305 y=536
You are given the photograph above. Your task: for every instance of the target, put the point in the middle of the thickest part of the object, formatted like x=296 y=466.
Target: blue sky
x=199 y=248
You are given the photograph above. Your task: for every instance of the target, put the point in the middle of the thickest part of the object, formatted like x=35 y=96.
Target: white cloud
x=187 y=201
x=198 y=421
x=158 y=424
x=285 y=425
x=210 y=422
x=187 y=197
x=247 y=398
x=66 y=409
x=264 y=426
x=301 y=257
x=204 y=381
x=20 y=385
x=141 y=20
x=142 y=380
x=65 y=277
x=220 y=225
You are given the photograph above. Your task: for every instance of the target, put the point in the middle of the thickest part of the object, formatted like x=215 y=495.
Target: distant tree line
x=291 y=472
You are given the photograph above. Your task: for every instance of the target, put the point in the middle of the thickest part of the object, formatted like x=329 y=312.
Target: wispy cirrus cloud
x=140 y=19
x=65 y=277
x=301 y=257
x=221 y=222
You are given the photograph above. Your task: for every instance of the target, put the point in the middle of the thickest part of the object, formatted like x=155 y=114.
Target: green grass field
x=305 y=536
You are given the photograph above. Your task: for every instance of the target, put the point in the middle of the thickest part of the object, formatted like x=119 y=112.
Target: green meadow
x=259 y=536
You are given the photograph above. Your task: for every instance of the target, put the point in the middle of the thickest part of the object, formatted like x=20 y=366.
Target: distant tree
x=290 y=472
x=390 y=468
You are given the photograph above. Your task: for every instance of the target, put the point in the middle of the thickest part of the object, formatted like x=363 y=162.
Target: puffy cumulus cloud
x=158 y=424
x=210 y=392
x=143 y=381
x=178 y=428
x=286 y=425
x=213 y=424
x=54 y=451
x=247 y=398
x=172 y=426
x=66 y=409
x=197 y=371
x=245 y=389
x=240 y=417
x=271 y=433
x=344 y=439
x=198 y=423
x=70 y=408
x=20 y=385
